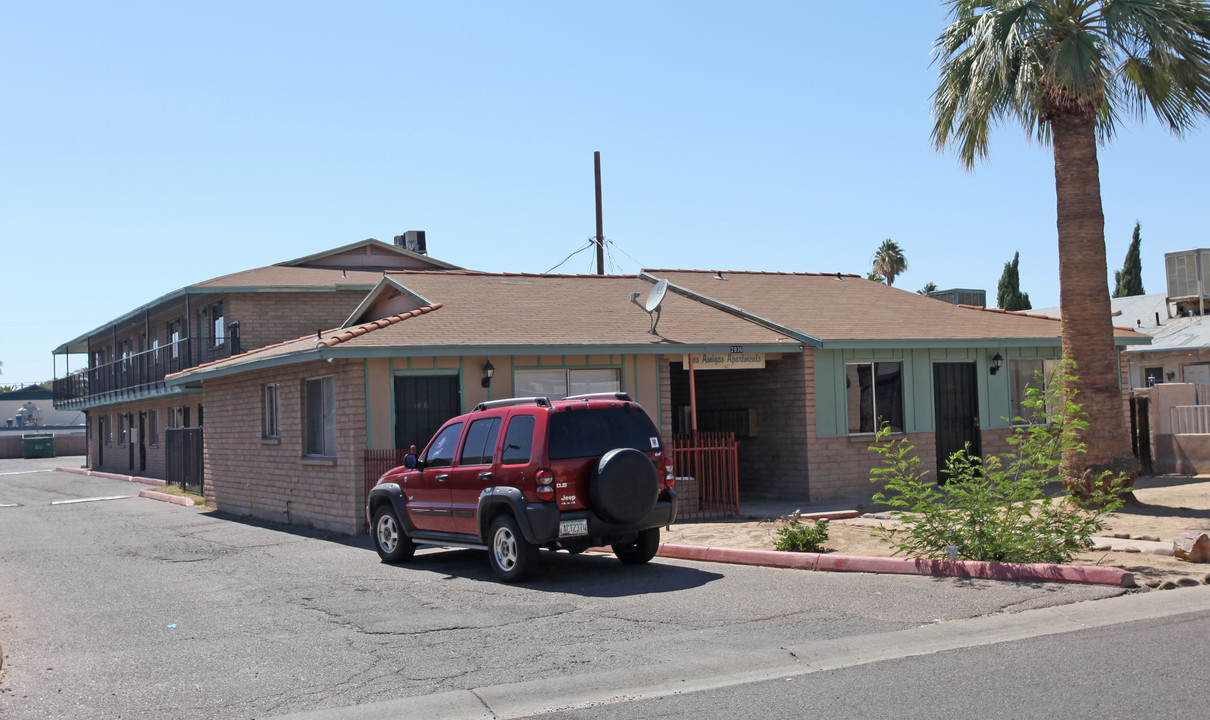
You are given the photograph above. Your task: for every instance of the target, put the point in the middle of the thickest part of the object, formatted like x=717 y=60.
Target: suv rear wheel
x=641 y=550
x=512 y=557
x=392 y=544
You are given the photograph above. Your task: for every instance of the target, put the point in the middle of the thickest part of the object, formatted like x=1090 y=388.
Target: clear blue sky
x=147 y=146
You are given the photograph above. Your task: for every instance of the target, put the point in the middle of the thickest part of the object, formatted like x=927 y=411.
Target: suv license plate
x=573 y=528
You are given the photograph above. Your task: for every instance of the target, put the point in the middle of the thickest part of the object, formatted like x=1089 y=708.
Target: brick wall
x=272 y=479
x=115 y=457
x=774 y=462
x=271 y=317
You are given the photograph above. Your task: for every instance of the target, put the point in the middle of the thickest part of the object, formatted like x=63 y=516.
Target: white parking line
x=27 y=472
x=9 y=505
x=96 y=499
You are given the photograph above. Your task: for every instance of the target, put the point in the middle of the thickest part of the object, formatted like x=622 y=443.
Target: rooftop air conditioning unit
x=412 y=240
x=961 y=296
x=1187 y=272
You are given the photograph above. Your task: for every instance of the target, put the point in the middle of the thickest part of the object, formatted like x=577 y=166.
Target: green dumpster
x=38 y=445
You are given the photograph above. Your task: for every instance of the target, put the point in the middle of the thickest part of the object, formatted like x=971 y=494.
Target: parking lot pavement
x=130 y=607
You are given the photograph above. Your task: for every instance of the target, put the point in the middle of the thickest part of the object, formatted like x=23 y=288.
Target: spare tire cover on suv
x=624 y=486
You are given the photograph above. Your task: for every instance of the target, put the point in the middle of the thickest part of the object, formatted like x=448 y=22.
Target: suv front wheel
x=641 y=550
x=512 y=557
x=392 y=544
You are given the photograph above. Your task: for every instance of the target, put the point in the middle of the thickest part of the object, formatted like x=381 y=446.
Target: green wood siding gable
x=831 y=416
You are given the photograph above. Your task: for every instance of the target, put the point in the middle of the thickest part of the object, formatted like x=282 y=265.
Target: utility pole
x=596 y=160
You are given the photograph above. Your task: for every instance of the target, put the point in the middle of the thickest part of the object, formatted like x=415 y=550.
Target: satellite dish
x=654 y=299
x=656 y=296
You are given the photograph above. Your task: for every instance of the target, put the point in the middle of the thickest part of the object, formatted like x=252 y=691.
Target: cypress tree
x=1129 y=280
x=1009 y=295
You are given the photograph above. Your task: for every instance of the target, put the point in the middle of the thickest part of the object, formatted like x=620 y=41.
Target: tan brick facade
x=271 y=317
x=135 y=455
x=273 y=479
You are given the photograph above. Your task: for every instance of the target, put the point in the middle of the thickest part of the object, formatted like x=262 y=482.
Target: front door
x=422 y=404
x=428 y=492
x=130 y=431
x=142 y=443
x=956 y=412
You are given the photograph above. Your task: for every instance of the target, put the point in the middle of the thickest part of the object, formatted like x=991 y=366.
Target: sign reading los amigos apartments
x=727 y=361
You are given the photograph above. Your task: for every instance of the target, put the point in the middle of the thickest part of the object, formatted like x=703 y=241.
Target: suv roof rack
x=602 y=396
x=509 y=402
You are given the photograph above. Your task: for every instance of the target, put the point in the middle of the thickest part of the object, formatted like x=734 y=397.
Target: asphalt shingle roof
x=835 y=307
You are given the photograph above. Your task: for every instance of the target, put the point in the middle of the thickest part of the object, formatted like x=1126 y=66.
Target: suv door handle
x=486 y=475
x=442 y=478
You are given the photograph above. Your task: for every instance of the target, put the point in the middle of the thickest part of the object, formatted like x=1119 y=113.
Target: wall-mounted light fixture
x=488 y=372
x=997 y=363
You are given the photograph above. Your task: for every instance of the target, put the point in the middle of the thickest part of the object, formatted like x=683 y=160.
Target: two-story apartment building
x=131 y=413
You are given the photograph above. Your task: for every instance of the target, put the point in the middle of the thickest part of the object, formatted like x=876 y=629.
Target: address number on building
x=737 y=350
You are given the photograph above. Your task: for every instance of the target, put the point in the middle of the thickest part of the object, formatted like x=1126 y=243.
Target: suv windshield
x=585 y=433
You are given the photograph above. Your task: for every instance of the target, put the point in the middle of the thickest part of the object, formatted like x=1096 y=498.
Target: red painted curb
x=904 y=566
x=165 y=497
x=830 y=515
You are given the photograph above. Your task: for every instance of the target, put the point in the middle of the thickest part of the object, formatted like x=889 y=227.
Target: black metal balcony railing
x=141 y=372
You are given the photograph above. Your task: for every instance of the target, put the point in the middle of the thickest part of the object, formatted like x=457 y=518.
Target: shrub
x=802 y=537
x=997 y=508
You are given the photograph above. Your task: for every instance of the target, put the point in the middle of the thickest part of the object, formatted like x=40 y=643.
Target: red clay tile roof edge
x=341 y=335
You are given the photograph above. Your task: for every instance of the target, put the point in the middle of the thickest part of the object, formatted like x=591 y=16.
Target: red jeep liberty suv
x=516 y=475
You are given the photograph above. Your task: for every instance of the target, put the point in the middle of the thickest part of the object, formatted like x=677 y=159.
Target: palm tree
x=889 y=261
x=1068 y=70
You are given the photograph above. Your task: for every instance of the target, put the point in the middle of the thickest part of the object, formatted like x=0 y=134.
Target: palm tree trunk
x=1087 y=330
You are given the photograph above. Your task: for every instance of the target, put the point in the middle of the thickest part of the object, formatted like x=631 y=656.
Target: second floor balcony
x=140 y=374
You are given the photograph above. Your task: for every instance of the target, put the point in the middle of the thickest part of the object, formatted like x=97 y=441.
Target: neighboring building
x=130 y=411
x=30 y=410
x=801 y=367
x=961 y=296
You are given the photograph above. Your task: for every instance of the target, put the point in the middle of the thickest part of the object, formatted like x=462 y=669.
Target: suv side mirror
x=410 y=462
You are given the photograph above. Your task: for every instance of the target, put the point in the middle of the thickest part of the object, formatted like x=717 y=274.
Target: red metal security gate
x=707 y=470
x=378 y=462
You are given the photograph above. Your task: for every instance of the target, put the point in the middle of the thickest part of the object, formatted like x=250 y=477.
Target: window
x=1153 y=376
x=122 y=429
x=218 y=323
x=272 y=426
x=320 y=422
x=174 y=337
x=480 y=442
x=874 y=394
x=441 y=451
x=174 y=417
x=153 y=427
x=556 y=384
x=1023 y=375
x=585 y=433
x=106 y=430
x=518 y=441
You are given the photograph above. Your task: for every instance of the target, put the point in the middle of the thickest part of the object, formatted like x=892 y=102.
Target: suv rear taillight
x=669 y=477
x=546 y=485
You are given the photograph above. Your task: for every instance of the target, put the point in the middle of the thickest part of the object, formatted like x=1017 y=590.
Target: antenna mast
x=596 y=161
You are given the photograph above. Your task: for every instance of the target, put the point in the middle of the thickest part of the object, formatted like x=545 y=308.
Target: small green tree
x=997 y=508
x=1128 y=281
x=928 y=288
x=1008 y=294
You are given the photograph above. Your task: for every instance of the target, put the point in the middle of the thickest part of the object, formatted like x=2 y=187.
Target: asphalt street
x=127 y=607
x=1142 y=668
